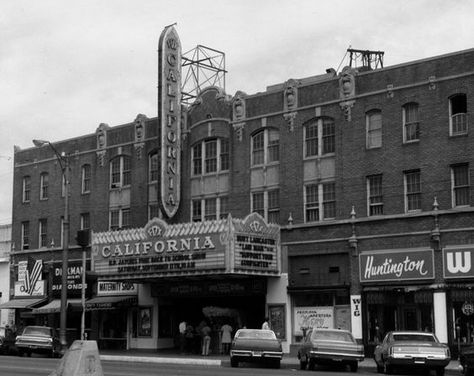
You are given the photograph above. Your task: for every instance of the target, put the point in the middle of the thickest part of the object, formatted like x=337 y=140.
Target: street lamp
x=63 y=160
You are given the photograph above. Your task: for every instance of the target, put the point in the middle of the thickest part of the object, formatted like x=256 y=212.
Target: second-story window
x=411 y=125
x=44 y=185
x=458 y=115
x=460 y=185
x=374 y=129
x=85 y=221
x=210 y=208
x=43 y=233
x=26 y=189
x=86 y=178
x=319 y=136
x=210 y=156
x=153 y=168
x=119 y=219
x=265 y=147
x=267 y=204
x=412 y=190
x=25 y=235
x=375 y=195
x=315 y=194
x=120 y=171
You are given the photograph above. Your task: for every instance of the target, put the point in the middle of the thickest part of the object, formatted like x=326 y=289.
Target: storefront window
x=463 y=317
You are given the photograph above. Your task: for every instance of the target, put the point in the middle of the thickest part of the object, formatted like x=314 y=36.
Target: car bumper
x=335 y=357
x=418 y=362
x=34 y=348
x=245 y=355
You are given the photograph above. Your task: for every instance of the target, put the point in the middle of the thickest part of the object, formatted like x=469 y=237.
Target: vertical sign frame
x=169 y=115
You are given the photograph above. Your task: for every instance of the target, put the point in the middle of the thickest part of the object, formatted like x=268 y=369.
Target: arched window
x=319 y=137
x=210 y=156
x=458 y=114
x=265 y=147
x=120 y=171
x=411 y=125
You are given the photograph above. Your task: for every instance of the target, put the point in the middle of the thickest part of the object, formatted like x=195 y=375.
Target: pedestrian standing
x=206 y=339
x=226 y=331
x=182 y=339
x=265 y=324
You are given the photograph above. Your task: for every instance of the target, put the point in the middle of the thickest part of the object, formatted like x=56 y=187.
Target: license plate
x=419 y=362
x=256 y=353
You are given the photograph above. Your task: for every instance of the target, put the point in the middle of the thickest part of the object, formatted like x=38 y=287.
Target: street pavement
x=288 y=361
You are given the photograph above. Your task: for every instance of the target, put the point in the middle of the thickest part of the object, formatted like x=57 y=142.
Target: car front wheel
x=440 y=371
x=354 y=366
x=387 y=369
x=234 y=362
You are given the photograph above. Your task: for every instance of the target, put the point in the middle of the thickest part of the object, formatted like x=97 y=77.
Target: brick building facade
x=367 y=173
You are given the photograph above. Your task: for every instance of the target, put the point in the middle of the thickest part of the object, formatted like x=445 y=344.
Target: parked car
x=7 y=341
x=411 y=349
x=330 y=346
x=466 y=361
x=255 y=345
x=38 y=339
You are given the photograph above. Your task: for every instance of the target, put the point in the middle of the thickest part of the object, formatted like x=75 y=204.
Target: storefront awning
x=21 y=303
x=111 y=302
x=54 y=306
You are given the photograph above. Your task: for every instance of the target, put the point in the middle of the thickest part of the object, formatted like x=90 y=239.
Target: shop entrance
x=237 y=311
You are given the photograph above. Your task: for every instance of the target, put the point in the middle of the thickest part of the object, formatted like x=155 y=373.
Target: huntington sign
x=169 y=114
x=396 y=265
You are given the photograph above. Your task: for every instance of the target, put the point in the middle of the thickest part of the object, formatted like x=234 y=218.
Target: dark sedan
x=413 y=350
x=255 y=345
x=38 y=339
x=330 y=346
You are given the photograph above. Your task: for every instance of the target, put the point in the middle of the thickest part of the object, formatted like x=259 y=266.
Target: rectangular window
x=44 y=183
x=114 y=220
x=374 y=129
x=411 y=126
x=258 y=203
x=153 y=211
x=43 y=233
x=25 y=235
x=258 y=151
x=460 y=185
x=329 y=200
x=196 y=211
x=273 y=146
x=197 y=159
x=86 y=179
x=85 y=221
x=413 y=190
x=210 y=156
x=125 y=220
x=115 y=173
x=26 y=189
x=210 y=209
x=374 y=188
x=223 y=207
x=274 y=206
x=458 y=114
x=329 y=136
x=312 y=203
x=127 y=170
x=154 y=169
x=224 y=155
x=311 y=139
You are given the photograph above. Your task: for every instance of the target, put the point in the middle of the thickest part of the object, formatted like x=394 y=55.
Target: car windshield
x=413 y=337
x=332 y=336
x=37 y=331
x=256 y=334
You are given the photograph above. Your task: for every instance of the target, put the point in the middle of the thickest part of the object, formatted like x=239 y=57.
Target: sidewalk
x=288 y=361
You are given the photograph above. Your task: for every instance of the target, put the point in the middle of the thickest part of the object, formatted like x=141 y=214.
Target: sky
x=67 y=66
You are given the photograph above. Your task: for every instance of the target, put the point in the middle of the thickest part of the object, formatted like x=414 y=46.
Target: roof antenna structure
x=365 y=58
x=202 y=67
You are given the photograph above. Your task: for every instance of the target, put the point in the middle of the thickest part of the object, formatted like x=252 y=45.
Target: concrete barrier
x=81 y=359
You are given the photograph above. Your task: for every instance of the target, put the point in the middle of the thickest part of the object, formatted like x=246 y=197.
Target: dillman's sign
x=396 y=265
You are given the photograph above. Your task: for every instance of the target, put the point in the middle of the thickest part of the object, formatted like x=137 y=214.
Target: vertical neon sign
x=169 y=115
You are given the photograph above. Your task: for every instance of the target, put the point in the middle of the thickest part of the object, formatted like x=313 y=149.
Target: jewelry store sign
x=197 y=248
x=458 y=261
x=396 y=265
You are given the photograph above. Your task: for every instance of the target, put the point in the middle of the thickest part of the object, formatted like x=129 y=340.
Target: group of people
x=198 y=340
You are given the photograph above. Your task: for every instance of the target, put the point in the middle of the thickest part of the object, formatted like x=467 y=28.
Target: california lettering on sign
x=396 y=265
x=169 y=114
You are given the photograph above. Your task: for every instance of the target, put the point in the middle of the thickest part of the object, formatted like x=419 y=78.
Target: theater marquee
x=169 y=114
x=248 y=246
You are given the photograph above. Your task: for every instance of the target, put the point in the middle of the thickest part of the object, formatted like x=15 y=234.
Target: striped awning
x=21 y=303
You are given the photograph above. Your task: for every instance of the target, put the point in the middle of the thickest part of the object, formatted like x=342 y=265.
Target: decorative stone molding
x=347 y=90
x=390 y=93
x=140 y=128
x=239 y=129
x=101 y=135
x=290 y=119
x=290 y=95
x=432 y=82
x=238 y=106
